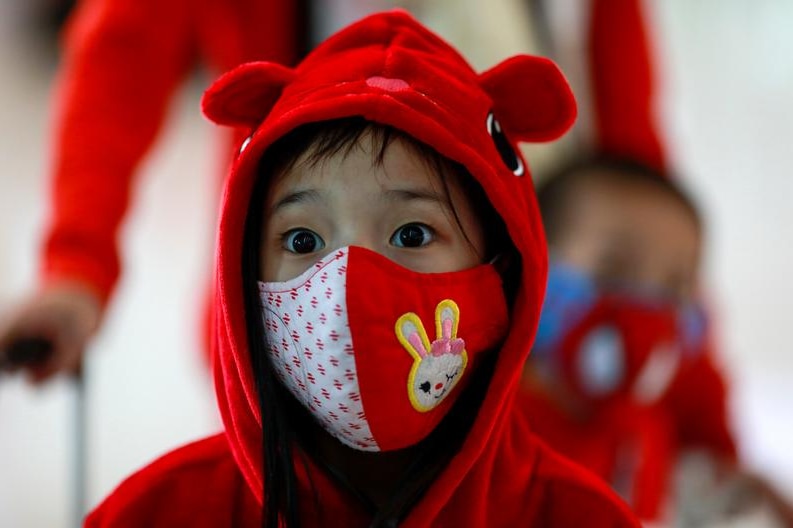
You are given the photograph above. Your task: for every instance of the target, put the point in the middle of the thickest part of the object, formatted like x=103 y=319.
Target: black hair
x=284 y=420
x=328 y=138
x=555 y=192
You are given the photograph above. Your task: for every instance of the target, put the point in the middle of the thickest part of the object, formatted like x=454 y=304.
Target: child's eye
x=302 y=241
x=412 y=236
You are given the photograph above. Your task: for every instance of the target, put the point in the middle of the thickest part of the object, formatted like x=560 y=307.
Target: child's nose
x=358 y=235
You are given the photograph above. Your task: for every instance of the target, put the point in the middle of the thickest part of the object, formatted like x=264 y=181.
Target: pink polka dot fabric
x=311 y=347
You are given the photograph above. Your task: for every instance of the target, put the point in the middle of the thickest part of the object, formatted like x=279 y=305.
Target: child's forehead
x=390 y=156
x=628 y=211
x=364 y=164
x=598 y=189
x=628 y=229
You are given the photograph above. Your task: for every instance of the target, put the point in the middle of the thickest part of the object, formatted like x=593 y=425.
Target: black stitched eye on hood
x=505 y=150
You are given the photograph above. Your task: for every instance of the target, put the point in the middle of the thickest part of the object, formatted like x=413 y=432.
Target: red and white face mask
x=376 y=352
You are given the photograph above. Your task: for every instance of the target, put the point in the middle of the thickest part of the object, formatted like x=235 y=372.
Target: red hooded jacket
x=389 y=70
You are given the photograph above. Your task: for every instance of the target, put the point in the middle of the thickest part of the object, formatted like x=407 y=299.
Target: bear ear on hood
x=245 y=95
x=531 y=98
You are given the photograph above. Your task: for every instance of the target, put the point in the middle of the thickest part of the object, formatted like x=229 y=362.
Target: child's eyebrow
x=405 y=195
x=297 y=197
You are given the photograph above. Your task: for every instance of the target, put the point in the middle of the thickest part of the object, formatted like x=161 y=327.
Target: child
x=622 y=379
x=380 y=273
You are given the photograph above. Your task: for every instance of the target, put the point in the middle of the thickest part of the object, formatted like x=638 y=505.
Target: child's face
x=630 y=234
x=399 y=209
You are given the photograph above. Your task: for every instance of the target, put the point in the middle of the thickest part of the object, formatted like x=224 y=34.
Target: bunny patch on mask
x=438 y=366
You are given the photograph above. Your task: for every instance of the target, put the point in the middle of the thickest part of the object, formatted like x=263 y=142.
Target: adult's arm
x=121 y=64
x=624 y=83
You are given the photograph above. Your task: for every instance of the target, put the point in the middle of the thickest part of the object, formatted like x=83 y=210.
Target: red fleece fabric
x=122 y=63
x=629 y=447
x=635 y=447
x=697 y=401
x=624 y=82
x=200 y=486
x=390 y=70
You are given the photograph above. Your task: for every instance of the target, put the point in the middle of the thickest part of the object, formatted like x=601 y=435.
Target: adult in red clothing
x=380 y=271
x=123 y=61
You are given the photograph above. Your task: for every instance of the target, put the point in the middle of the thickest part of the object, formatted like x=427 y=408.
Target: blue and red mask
x=607 y=344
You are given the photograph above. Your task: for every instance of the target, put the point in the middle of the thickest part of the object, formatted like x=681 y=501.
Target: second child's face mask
x=376 y=352
x=606 y=345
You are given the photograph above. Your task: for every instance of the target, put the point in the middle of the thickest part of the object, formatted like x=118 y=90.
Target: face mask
x=610 y=345
x=378 y=353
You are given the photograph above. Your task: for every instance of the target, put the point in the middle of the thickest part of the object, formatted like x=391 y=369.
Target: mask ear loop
x=502 y=263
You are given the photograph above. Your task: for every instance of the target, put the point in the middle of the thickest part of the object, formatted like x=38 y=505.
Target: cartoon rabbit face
x=435 y=377
x=437 y=367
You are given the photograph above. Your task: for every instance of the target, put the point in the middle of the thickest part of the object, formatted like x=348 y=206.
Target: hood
x=389 y=69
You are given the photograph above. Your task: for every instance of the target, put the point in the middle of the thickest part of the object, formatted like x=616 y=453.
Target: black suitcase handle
x=26 y=352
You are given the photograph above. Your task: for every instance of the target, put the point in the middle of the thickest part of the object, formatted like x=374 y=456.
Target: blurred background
x=727 y=117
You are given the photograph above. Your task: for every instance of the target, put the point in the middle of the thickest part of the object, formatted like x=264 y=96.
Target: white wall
x=728 y=67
